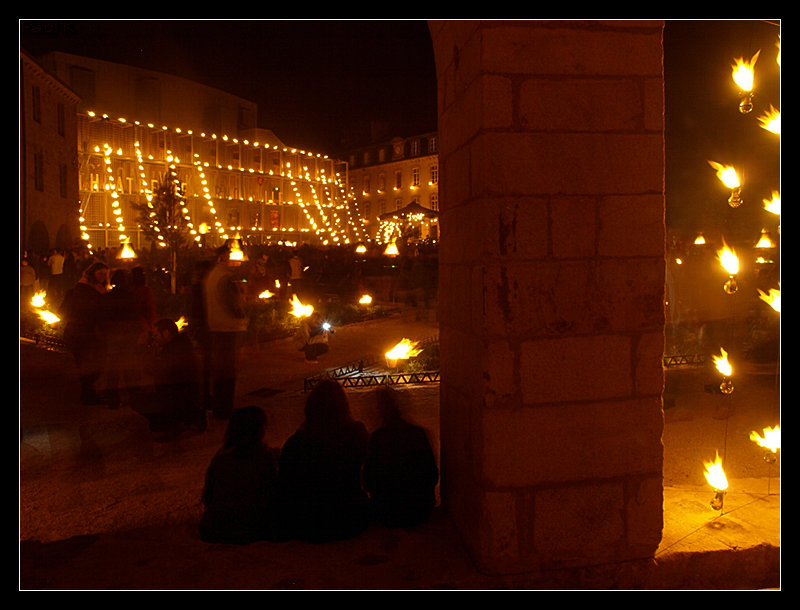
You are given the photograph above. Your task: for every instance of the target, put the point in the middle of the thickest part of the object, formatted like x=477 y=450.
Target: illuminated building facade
x=390 y=176
x=134 y=125
x=48 y=172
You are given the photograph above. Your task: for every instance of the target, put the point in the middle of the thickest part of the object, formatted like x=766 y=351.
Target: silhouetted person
x=226 y=320
x=240 y=486
x=82 y=311
x=121 y=329
x=176 y=379
x=400 y=471
x=320 y=470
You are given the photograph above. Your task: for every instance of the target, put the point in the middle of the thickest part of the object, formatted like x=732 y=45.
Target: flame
x=391 y=249
x=365 y=300
x=743 y=72
x=403 y=350
x=699 y=240
x=771 y=439
x=773 y=205
x=728 y=259
x=127 y=251
x=722 y=364
x=765 y=241
x=38 y=299
x=48 y=316
x=771 y=120
x=266 y=295
x=715 y=475
x=727 y=174
x=361 y=248
x=181 y=323
x=773 y=299
x=277 y=283
x=299 y=310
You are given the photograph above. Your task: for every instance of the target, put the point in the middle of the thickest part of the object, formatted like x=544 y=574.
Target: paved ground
x=102 y=506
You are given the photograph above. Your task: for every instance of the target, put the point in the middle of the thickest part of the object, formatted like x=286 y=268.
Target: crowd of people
x=328 y=482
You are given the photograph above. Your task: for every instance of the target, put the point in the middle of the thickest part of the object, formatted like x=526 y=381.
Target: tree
x=164 y=220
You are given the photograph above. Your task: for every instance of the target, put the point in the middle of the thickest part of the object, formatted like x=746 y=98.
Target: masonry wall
x=551 y=289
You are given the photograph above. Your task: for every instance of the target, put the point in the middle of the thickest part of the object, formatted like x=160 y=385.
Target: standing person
x=239 y=496
x=55 y=263
x=176 y=379
x=400 y=471
x=226 y=320
x=121 y=330
x=82 y=310
x=296 y=275
x=320 y=470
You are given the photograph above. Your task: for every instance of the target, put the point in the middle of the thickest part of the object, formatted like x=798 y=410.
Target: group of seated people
x=330 y=481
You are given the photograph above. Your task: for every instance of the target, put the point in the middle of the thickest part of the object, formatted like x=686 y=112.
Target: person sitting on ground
x=239 y=496
x=320 y=470
x=400 y=471
x=312 y=337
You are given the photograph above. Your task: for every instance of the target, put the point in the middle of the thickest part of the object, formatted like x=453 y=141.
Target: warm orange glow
x=722 y=364
x=365 y=300
x=391 y=250
x=403 y=350
x=773 y=299
x=765 y=241
x=771 y=439
x=181 y=323
x=773 y=205
x=299 y=310
x=727 y=174
x=48 y=316
x=127 y=251
x=743 y=72
x=38 y=299
x=771 y=121
x=699 y=240
x=266 y=295
x=361 y=248
x=715 y=475
x=728 y=259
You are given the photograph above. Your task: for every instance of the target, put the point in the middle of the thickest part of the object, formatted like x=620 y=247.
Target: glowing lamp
x=743 y=76
x=771 y=441
x=728 y=176
x=773 y=298
x=715 y=475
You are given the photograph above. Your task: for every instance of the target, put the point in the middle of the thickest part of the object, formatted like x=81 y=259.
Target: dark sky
x=311 y=79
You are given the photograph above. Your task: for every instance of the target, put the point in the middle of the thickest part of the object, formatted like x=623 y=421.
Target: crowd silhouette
x=329 y=481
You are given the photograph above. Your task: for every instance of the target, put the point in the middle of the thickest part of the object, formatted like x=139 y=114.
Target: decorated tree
x=164 y=220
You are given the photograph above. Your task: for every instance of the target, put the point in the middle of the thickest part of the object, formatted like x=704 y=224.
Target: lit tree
x=164 y=219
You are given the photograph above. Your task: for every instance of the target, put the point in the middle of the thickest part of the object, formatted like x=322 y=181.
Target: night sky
x=315 y=81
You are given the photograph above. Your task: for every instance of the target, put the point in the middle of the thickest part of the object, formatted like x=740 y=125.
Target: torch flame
x=743 y=72
x=48 y=316
x=773 y=205
x=771 y=120
x=361 y=249
x=715 y=475
x=765 y=241
x=365 y=300
x=727 y=174
x=391 y=249
x=127 y=251
x=181 y=323
x=266 y=295
x=38 y=299
x=722 y=364
x=773 y=299
x=403 y=350
x=728 y=259
x=299 y=310
x=699 y=240
x=771 y=439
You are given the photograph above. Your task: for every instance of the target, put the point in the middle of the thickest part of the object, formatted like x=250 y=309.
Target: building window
x=435 y=201
x=398 y=203
x=381 y=183
x=434 y=174
x=414 y=148
x=415 y=177
x=366 y=185
x=398 y=181
x=432 y=145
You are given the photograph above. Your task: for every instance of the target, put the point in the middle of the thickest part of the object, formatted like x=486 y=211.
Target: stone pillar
x=552 y=289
